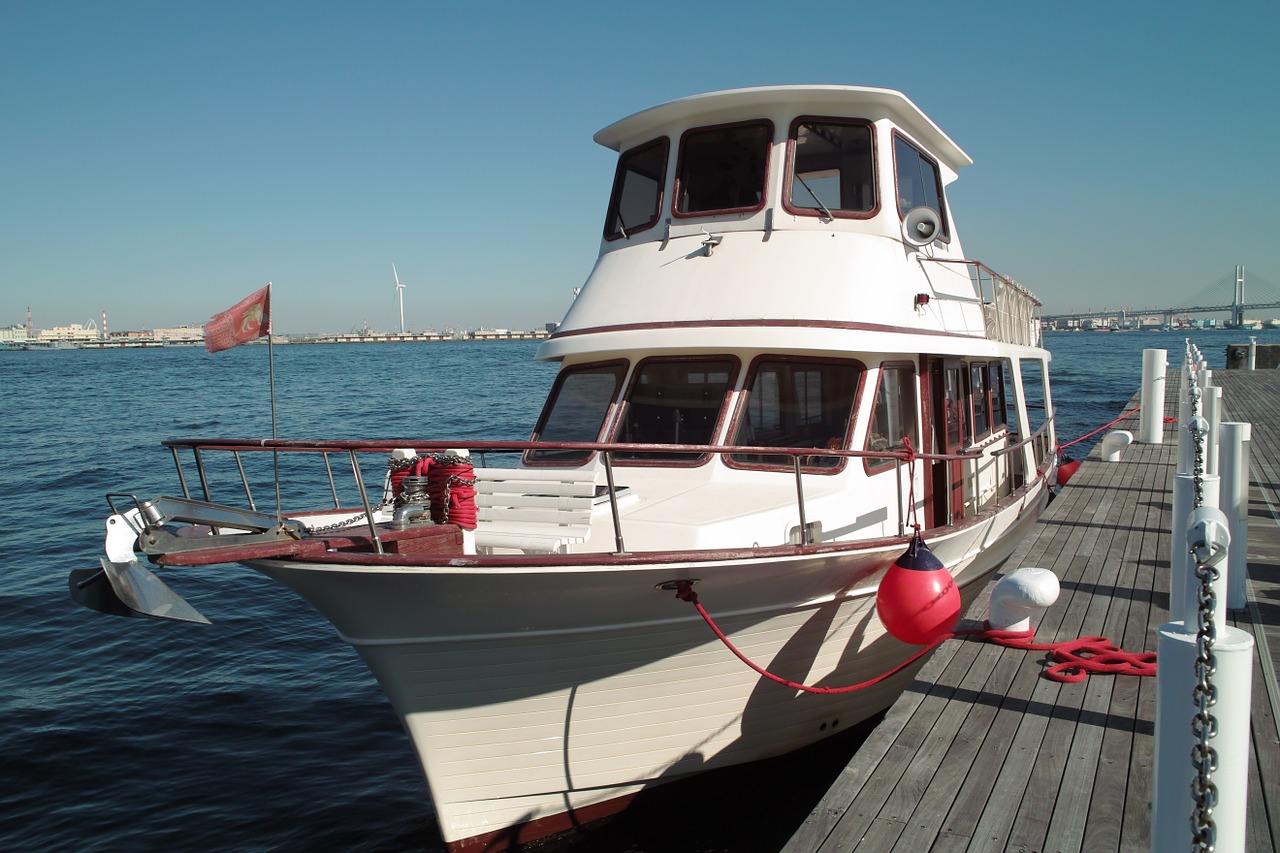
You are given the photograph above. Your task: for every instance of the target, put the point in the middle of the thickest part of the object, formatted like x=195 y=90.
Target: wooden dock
x=983 y=754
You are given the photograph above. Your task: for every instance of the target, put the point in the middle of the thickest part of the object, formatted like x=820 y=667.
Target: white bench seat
x=533 y=509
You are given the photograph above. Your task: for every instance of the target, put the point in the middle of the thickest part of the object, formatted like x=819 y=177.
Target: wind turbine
x=399 y=293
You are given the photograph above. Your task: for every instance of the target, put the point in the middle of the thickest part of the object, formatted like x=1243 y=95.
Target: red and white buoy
x=917 y=600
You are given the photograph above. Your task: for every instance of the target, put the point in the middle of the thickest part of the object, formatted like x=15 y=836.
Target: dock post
x=1213 y=414
x=1186 y=450
x=1172 y=801
x=1184 y=588
x=1253 y=353
x=1151 y=416
x=1233 y=454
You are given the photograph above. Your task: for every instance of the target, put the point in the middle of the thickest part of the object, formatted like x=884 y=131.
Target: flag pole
x=271 y=369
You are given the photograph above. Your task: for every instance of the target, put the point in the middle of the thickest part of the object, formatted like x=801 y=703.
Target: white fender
x=1018 y=595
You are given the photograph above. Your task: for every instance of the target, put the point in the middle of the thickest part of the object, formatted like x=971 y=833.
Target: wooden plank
x=888 y=772
x=818 y=826
x=1008 y=760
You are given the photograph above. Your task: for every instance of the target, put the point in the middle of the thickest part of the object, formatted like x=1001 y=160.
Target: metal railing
x=1011 y=312
x=1009 y=468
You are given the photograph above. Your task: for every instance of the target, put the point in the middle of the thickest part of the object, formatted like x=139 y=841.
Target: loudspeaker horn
x=921 y=226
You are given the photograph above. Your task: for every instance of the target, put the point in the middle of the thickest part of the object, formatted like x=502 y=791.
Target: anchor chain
x=1204 y=726
x=407 y=496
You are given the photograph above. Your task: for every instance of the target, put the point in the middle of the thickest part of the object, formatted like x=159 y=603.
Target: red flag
x=247 y=320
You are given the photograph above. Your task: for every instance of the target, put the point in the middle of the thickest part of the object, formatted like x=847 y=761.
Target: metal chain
x=1204 y=726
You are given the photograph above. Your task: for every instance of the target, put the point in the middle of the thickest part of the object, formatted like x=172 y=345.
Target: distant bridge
x=1226 y=294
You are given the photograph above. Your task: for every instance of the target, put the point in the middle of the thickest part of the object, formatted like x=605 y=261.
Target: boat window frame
x=944 y=231
x=997 y=369
x=875 y=466
x=789 y=181
x=978 y=406
x=529 y=457
x=744 y=401
x=693 y=460
x=615 y=195
x=676 y=187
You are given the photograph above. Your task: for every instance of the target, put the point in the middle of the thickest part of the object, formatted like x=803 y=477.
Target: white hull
x=532 y=693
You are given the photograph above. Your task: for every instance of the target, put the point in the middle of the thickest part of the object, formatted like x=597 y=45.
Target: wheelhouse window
x=919 y=182
x=636 y=201
x=674 y=401
x=893 y=417
x=723 y=169
x=832 y=169
x=797 y=403
x=576 y=410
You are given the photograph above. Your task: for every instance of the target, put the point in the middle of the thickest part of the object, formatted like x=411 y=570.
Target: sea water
x=265 y=731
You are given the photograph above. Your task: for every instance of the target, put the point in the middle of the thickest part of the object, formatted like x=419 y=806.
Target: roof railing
x=1011 y=312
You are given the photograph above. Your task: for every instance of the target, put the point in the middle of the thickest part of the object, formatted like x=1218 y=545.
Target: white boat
x=781 y=364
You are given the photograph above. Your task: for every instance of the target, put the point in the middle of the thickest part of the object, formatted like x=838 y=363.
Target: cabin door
x=945 y=405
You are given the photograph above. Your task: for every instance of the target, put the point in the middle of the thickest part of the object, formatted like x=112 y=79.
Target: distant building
x=74 y=332
x=181 y=333
x=15 y=334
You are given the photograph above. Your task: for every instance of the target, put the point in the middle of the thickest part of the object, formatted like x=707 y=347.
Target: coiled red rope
x=1074 y=660
x=451 y=486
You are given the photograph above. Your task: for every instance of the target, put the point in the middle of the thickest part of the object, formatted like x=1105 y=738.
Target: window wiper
x=826 y=212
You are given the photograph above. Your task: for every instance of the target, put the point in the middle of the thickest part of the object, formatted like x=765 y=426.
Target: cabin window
x=919 y=182
x=893 y=416
x=979 y=401
x=996 y=380
x=952 y=399
x=723 y=169
x=1035 y=383
x=636 y=201
x=674 y=402
x=576 y=410
x=832 y=169
x=797 y=404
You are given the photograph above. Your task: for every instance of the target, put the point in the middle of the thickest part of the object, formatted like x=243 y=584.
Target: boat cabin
x=779 y=268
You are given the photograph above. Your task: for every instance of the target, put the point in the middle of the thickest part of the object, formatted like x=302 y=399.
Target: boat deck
x=982 y=753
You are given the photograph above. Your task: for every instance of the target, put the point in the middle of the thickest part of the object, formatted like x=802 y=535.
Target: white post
x=1253 y=353
x=1233 y=466
x=1184 y=587
x=1151 y=418
x=1183 y=501
x=1172 y=803
x=1186 y=452
x=1212 y=405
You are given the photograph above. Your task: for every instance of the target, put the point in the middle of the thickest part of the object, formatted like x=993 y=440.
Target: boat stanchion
x=619 y=546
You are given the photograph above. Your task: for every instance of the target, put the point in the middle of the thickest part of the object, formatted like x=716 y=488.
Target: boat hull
x=538 y=698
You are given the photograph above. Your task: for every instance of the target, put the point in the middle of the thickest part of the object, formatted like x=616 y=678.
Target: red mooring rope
x=1074 y=660
x=1128 y=414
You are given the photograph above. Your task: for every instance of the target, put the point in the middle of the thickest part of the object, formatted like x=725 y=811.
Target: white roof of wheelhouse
x=738 y=104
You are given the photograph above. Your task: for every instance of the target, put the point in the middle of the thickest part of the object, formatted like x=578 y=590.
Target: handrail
x=441 y=446
x=606 y=450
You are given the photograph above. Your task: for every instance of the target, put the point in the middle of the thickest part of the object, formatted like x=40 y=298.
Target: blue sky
x=161 y=160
